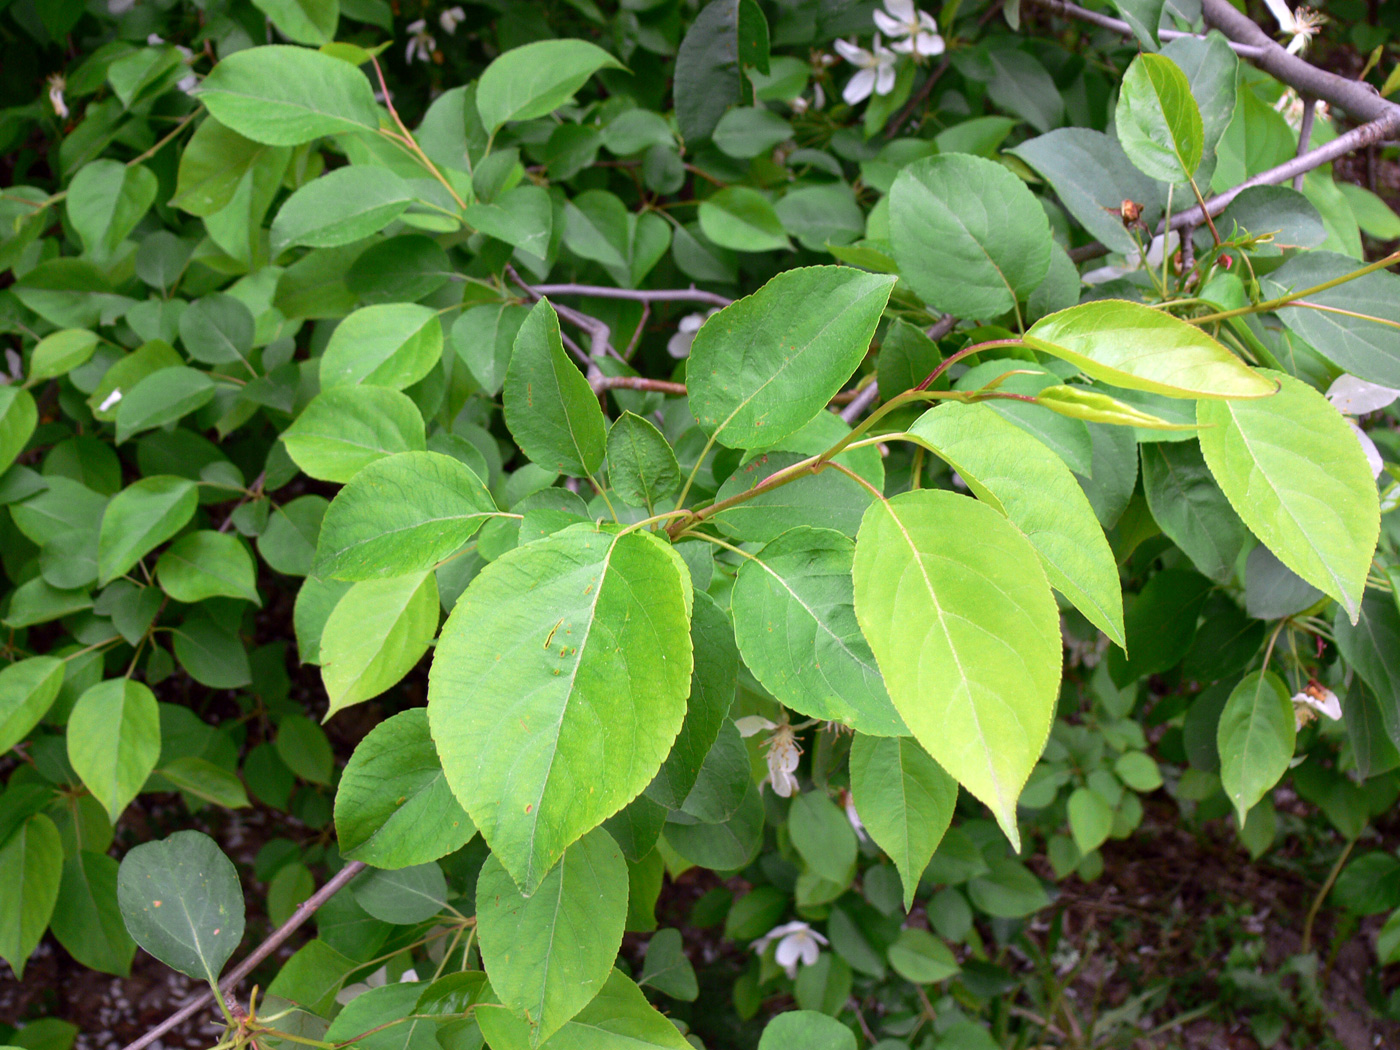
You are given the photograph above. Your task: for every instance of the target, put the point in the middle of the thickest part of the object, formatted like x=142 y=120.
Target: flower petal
x=751 y=724
x=888 y=25
x=858 y=88
x=1356 y=397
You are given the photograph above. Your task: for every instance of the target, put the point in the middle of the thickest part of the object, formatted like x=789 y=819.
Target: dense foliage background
x=326 y=319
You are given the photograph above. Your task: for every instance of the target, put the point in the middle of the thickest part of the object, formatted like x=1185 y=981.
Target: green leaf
x=1371 y=646
x=163 y=397
x=536 y=79
x=401 y=515
x=1092 y=177
x=60 y=352
x=284 y=96
x=742 y=220
x=114 y=741
x=558 y=687
x=302 y=745
x=712 y=681
x=206 y=781
x=1076 y=402
x=342 y=431
x=807 y=1029
x=390 y=344
x=823 y=836
x=386 y=1014
x=1362 y=347
x=1190 y=508
x=139 y=518
x=707 y=75
x=86 y=919
x=617 y=1018
x=905 y=800
x=28 y=689
x=404 y=896
x=212 y=166
x=218 y=330
x=1255 y=738
x=32 y=860
x=1134 y=346
x=921 y=957
x=549 y=407
x=522 y=217
x=1090 y=819
x=310 y=22
x=796 y=626
x=765 y=365
x=181 y=901
x=642 y=468
x=341 y=207
x=207 y=564
x=750 y=130
x=375 y=635
x=393 y=808
x=484 y=337
x=667 y=969
x=550 y=953
x=968 y=236
x=830 y=500
x=1144 y=16
x=960 y=617
x=18 y=417
x=1212 y=70
x=1293 y=470
x=1158 y=121
x=106 y=199
x=1016 y=474
x=1161 y=624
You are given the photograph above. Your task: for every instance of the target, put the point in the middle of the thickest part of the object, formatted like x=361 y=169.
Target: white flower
x=1132 y=262
x=909 y=30
x=796 y=941
x=876 y=70
x=1302 y=23
x=377 y=979
x=1313 y=700
x=848 y=801
x=783 y=752
x=420 y=42
x=1290 y=105
x=110 y=400
x=678 y=345
x=119 y=7
x=451 y=19
x=1357 y=397
x=56 y=85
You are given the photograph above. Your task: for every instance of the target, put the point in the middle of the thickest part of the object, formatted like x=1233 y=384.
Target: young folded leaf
x=1090 y=405
x=1131 y=345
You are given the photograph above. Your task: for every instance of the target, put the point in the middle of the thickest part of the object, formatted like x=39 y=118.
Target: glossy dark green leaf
x=642 y=468
x=32 y=859
x=536 y=79
x=1190 y=508
x=139 y=518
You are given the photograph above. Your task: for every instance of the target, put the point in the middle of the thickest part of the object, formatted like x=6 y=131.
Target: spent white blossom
x=1301 y=24
x=1290 y=106
x=875 y=72
x=1356 y=397
x=421 y=44
x=848 y=803
x=451 y=19
x=1161 y=246
x=56 y=85
x=678 y=345
x=797 y=941
x=110 y=400
x=783 y=752
x=1315 y=699
x=378 y=979
x=910 y=30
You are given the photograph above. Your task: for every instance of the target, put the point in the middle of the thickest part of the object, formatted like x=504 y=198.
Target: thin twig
x=1117 y=25
x=637 y=332
x=1304 y=137
x=304 y=911
x=640 y=295
x=638 y=383
x=861 y=402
